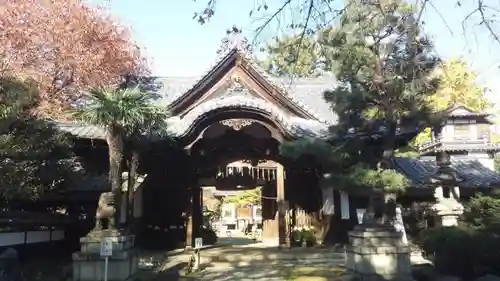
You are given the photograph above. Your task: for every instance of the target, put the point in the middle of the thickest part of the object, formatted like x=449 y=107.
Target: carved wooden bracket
x=236 y=124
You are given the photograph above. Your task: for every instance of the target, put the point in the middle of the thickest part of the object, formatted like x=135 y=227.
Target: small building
x=465 y=137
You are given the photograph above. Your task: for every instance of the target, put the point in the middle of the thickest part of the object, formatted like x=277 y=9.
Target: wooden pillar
x=282 y=204
x=269 y=223
x=189 y=222
x=274 y=211
x=194 y=215
x=197 y=213
x=194 y=203
x=201 y=221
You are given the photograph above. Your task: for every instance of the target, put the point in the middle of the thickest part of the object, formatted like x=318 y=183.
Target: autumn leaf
x=67 y=46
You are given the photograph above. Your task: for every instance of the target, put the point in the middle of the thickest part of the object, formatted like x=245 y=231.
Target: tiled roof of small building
x=82 y=130
x=459 y=145
x=473 y=173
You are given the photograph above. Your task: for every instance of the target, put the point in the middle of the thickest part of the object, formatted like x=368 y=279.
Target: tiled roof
x=240 y=97
x=459 y=145
x=82 y=130
x=308 y=91
x=473 y=173
x=460 y=110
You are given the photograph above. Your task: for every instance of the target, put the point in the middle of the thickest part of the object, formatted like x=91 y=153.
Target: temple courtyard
x=239 y=258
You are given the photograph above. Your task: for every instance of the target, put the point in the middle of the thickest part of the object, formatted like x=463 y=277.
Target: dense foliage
x=452 y=245
x=483 y=213
x=35 y=157
x=246 y=197
x=308 y=57
x=123 y=113
x=294 y=56
x=384 y=67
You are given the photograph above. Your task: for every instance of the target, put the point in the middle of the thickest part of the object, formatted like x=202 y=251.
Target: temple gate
x=236 y=112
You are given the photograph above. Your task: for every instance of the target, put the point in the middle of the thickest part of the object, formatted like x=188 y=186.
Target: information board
x=198 y=243
x=106 y=246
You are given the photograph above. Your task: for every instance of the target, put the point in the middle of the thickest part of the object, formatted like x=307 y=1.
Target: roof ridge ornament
x=234 y=39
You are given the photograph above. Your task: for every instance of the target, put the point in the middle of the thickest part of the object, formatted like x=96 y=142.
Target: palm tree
x=124 y=113
x=137 y=135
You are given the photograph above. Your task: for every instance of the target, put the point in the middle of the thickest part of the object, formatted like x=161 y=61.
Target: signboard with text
x=198 y=243
x=106 y=246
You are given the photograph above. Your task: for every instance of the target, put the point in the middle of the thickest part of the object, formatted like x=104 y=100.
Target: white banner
x=344 y=206
x=360 y=213
x=328 y=203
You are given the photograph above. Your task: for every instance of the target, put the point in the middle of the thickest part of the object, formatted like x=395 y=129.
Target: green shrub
x=304 y=234
x=449 y=245
x=471 y=249
x=483 y=213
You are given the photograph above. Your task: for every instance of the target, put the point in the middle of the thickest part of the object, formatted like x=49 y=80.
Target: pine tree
x=384 y=65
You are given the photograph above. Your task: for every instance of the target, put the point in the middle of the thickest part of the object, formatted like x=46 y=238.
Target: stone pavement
x=238 y=258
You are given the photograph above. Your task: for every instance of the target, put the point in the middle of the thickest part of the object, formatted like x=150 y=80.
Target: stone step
x=248 y=266
x=270 y=261
x=281 y=272
x=263 y=256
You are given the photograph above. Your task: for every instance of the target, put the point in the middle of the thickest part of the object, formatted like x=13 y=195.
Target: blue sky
x=178 y=46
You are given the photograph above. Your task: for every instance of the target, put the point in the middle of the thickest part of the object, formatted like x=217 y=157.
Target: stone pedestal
x=88 y=265
x=377 y=253
x=447 y=212
x=448 y=220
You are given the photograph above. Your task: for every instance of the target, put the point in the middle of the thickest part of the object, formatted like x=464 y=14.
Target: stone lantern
x=447 y=207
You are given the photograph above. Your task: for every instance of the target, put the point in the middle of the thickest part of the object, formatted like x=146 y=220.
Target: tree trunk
x=133 y=164
x=376 y=206
x=389 y=208
x=385 y=203
x=114 y=140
